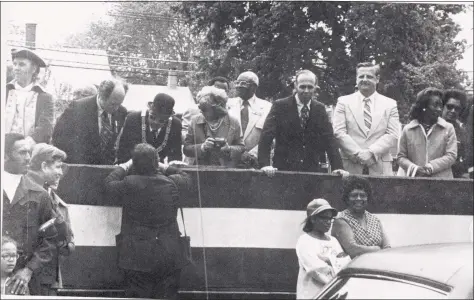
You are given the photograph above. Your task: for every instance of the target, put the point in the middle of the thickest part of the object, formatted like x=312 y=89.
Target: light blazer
x=257 y=117
x=349 y=128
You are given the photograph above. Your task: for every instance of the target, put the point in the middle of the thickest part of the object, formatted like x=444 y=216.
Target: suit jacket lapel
x=376 y=114
x=294 y=115
x=254 y=116
x=93 y=110
x=356 y=107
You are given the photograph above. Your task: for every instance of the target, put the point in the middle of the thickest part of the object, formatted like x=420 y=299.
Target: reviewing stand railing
x=246 y=228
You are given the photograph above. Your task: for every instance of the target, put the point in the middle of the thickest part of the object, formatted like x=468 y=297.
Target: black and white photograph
x=218 y=150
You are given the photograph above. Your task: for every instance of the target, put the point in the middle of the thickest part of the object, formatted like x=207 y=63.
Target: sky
x=56 y=20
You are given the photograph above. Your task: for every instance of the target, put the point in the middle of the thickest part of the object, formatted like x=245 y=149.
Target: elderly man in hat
x=29 y=109
x=251 y=112
x=156 y=126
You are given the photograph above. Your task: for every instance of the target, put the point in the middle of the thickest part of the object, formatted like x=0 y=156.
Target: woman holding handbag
x=149 y=244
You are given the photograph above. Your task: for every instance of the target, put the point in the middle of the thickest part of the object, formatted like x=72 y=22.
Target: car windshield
x=377 y=288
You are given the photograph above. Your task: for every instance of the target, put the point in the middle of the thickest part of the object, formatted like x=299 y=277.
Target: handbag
x=185 y=245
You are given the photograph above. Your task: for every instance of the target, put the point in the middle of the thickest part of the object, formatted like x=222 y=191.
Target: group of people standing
x=290 y=134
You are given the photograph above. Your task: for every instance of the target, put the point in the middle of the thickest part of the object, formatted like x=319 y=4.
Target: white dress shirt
x=251 y=101
x=24 y=97
x=10 y=183
x=372 y=98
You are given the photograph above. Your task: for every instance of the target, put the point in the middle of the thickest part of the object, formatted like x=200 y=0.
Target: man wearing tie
x=156 y=126
x=366 y=125
x=88 y=128
x=301 y=130
x=251 y=112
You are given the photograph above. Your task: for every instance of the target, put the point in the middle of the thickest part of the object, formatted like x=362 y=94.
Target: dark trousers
x=150 y=285
x=38 y=288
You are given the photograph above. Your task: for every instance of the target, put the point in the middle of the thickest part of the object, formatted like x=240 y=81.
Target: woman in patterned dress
x=357 y=230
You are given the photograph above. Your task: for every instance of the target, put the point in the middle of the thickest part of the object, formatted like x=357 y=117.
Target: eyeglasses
x=242 y=83
x=325 y=218
x=453 y=107
x=10 y=256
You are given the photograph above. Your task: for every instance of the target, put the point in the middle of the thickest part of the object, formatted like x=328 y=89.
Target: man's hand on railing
x=269 y=170
x=340 y=172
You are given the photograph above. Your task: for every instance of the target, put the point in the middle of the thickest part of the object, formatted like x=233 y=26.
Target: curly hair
x=216 y=98
x=7 y=239
x=352 y=183
x=457 y=95
x=422 y=101
x=10 y=139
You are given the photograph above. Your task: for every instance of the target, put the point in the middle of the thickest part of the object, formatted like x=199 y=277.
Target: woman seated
x=214 y=137
x=357 y=230
x=320 y=255
x=428 y=144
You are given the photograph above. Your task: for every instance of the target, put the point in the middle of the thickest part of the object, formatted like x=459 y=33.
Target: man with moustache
x=366 y=125
x=251 y=112
x=26 y=206
x=301 y=130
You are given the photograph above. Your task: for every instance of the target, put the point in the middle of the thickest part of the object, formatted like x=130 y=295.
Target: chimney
x=172 y=79
x=30 y=36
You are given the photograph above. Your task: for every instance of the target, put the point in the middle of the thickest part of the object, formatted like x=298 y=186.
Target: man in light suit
x=366 y=125
x=251 y=113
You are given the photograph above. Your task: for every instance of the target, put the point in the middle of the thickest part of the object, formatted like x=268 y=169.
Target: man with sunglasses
x=156 y=126
x=251 y=112
x=455 y=102
x=302 y=132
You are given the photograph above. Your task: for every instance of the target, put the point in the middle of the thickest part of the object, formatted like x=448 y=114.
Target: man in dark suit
x=301 y=130
x=88 y=128
x=155 y=126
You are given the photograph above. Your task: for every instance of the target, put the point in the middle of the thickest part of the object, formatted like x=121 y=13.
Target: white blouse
x=318 y=264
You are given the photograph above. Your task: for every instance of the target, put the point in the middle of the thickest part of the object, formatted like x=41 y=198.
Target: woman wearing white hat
x=320 y=255
x=29 y=109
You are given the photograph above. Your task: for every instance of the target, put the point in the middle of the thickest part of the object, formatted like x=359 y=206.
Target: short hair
x=213 y=96
x=107 y=86
x=145 y=159
x=84 y=91
x=220 y=79
x=7 y=239
x=369 y=65
x=457 y=95
x=163 y=104
x=10 y=140
x=353 y=182
x=252 y=76
x=308 y=72
x=422 y=101
x=45 y=153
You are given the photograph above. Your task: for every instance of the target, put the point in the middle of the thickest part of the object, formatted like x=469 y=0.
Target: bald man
x=88 y=128
x=251 y=112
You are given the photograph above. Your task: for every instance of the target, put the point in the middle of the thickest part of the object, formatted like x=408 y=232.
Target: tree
x=414 y=43
x=152 y=40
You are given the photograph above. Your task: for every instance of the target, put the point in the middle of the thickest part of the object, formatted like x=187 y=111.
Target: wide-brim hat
x=319 y=205
x=28 y=54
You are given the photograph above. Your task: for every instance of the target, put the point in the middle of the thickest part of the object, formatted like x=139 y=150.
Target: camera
x=219 y=142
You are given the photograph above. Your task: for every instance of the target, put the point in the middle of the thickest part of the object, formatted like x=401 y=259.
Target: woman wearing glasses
x=320 y=255
x=357 y=230
x=428 y=144
x=214 y=137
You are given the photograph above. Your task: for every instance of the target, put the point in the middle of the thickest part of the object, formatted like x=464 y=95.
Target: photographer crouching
x=149 y=246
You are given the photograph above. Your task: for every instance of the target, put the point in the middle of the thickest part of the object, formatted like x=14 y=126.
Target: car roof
x=442 y=263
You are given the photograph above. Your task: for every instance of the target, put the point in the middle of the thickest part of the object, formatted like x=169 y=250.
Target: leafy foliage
x=414 y=43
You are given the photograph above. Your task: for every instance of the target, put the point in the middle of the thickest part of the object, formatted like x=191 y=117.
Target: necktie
x=106 y=135
x=304 y=116
x=367 y=114
x=244 y=115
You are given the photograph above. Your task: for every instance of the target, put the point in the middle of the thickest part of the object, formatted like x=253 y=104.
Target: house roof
x=139 y=95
